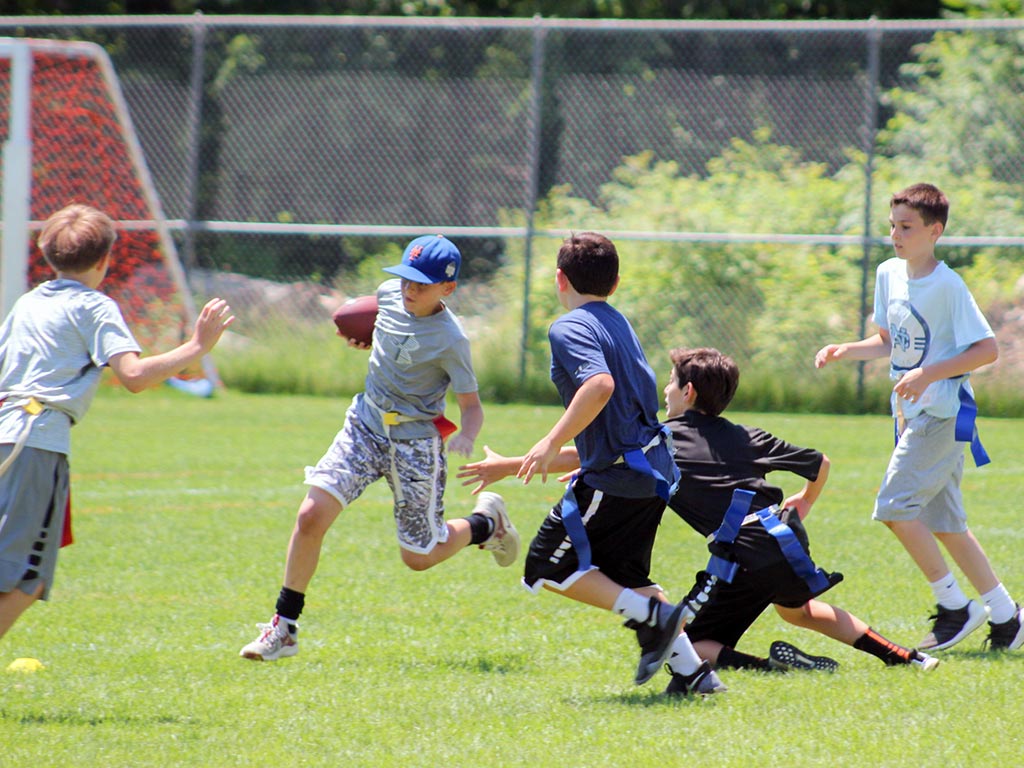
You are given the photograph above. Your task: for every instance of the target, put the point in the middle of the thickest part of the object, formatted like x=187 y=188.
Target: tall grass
x=183 y=508
x=310 y=360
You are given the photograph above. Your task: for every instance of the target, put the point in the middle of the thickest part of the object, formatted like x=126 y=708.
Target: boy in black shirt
x=717 y=457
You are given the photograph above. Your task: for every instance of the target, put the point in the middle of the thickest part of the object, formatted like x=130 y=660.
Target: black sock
x=480 y=528
x=730 y=658
x=890 y=653
x=289 y=606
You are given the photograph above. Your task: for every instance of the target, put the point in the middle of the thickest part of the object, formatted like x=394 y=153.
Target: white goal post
x=69 y=139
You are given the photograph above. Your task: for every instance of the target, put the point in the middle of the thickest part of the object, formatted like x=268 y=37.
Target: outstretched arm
x=495 y=467
x=879 y=345
x=588 y=401
x=138 y=373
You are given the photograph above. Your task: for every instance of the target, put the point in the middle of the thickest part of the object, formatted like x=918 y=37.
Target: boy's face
x=424 y=299
x=912 y=239
x=676 y=401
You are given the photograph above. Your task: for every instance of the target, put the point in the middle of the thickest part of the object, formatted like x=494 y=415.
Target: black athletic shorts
x=621 y=533
x=734 y=607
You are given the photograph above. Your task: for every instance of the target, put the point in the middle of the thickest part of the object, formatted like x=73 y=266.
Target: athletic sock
x=730 y=658
x=886 y=650
x=480 y=528
x=289 y=607
x=635 y=606
x=1000 y=605
x=948 y=593
x=684 y=659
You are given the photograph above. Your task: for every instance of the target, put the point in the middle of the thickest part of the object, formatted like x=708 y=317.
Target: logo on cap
x=428 y=260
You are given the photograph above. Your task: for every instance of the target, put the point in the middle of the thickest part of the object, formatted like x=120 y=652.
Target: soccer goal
x=68 y=138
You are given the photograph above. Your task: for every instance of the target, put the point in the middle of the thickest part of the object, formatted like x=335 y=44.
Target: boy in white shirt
x=934 y=335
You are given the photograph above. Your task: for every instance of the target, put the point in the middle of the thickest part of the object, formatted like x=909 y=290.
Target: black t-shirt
x=716 y=457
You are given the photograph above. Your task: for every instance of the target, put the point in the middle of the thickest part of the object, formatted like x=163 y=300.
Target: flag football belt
x=965 y=428
x=391 y=419
x=635 y=459
x=737 y=515
x=33 y=408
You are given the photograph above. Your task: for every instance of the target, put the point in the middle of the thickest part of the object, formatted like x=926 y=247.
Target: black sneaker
x=784 y=657
x=1008 y=636
x=656 y=641
x=951 y=627
x=700 y=683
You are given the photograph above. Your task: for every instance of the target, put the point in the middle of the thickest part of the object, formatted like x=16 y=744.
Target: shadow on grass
x=498 y=663
x=648 y=698
x=82 y=718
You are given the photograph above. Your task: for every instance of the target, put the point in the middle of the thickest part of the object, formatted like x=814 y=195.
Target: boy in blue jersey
x=393 y=429
x=934 y=335
x=595 y=545
x=54 y=345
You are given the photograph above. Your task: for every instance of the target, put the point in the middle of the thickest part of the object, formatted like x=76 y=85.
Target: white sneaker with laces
x=275 y=642
x=504 y=541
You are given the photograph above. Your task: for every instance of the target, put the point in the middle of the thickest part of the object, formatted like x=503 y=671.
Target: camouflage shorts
x=358 y=457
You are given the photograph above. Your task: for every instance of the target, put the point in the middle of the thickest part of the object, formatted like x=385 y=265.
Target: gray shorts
x=922 y=481
x=33 y=498
x=358 y=457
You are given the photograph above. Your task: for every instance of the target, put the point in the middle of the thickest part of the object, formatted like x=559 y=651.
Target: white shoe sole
x=977 y=615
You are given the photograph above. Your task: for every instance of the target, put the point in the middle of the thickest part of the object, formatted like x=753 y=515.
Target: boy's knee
x=314 y=519
x=416 y=561
x=795 y=616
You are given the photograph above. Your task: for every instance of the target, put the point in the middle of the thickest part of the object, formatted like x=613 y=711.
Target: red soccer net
x=84 y=151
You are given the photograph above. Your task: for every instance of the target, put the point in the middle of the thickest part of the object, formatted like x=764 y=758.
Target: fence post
x=870 y=133
x=533 y=181
x=195 y=118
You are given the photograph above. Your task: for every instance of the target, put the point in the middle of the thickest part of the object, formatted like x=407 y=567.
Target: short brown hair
x=75 y=238
x=590 y=263
x=715 y=376
x=926 y=199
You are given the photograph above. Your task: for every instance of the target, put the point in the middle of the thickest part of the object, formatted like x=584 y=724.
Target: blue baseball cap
x=429 y=259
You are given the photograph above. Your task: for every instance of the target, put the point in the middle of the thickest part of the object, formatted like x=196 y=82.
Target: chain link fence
x=744 y=169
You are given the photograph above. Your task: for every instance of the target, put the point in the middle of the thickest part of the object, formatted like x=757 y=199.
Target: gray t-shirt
x=53 y=346
x=412 y=363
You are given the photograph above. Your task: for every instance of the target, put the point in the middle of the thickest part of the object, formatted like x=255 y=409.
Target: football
x=355 y=318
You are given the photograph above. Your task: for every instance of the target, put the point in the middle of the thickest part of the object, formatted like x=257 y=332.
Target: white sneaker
x=275 y=642
x=504 y=541
x=923 y=661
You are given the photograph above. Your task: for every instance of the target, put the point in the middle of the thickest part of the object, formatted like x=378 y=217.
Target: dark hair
x=926 y=199
x=715 y=376
x=590 y=263
x=75 y=238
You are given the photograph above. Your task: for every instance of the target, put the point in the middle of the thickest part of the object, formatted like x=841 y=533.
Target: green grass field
x=183 y=510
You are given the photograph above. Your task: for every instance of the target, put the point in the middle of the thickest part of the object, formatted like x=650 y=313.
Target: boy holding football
x=392 y=430
x=54 y=345
x=934 y=335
